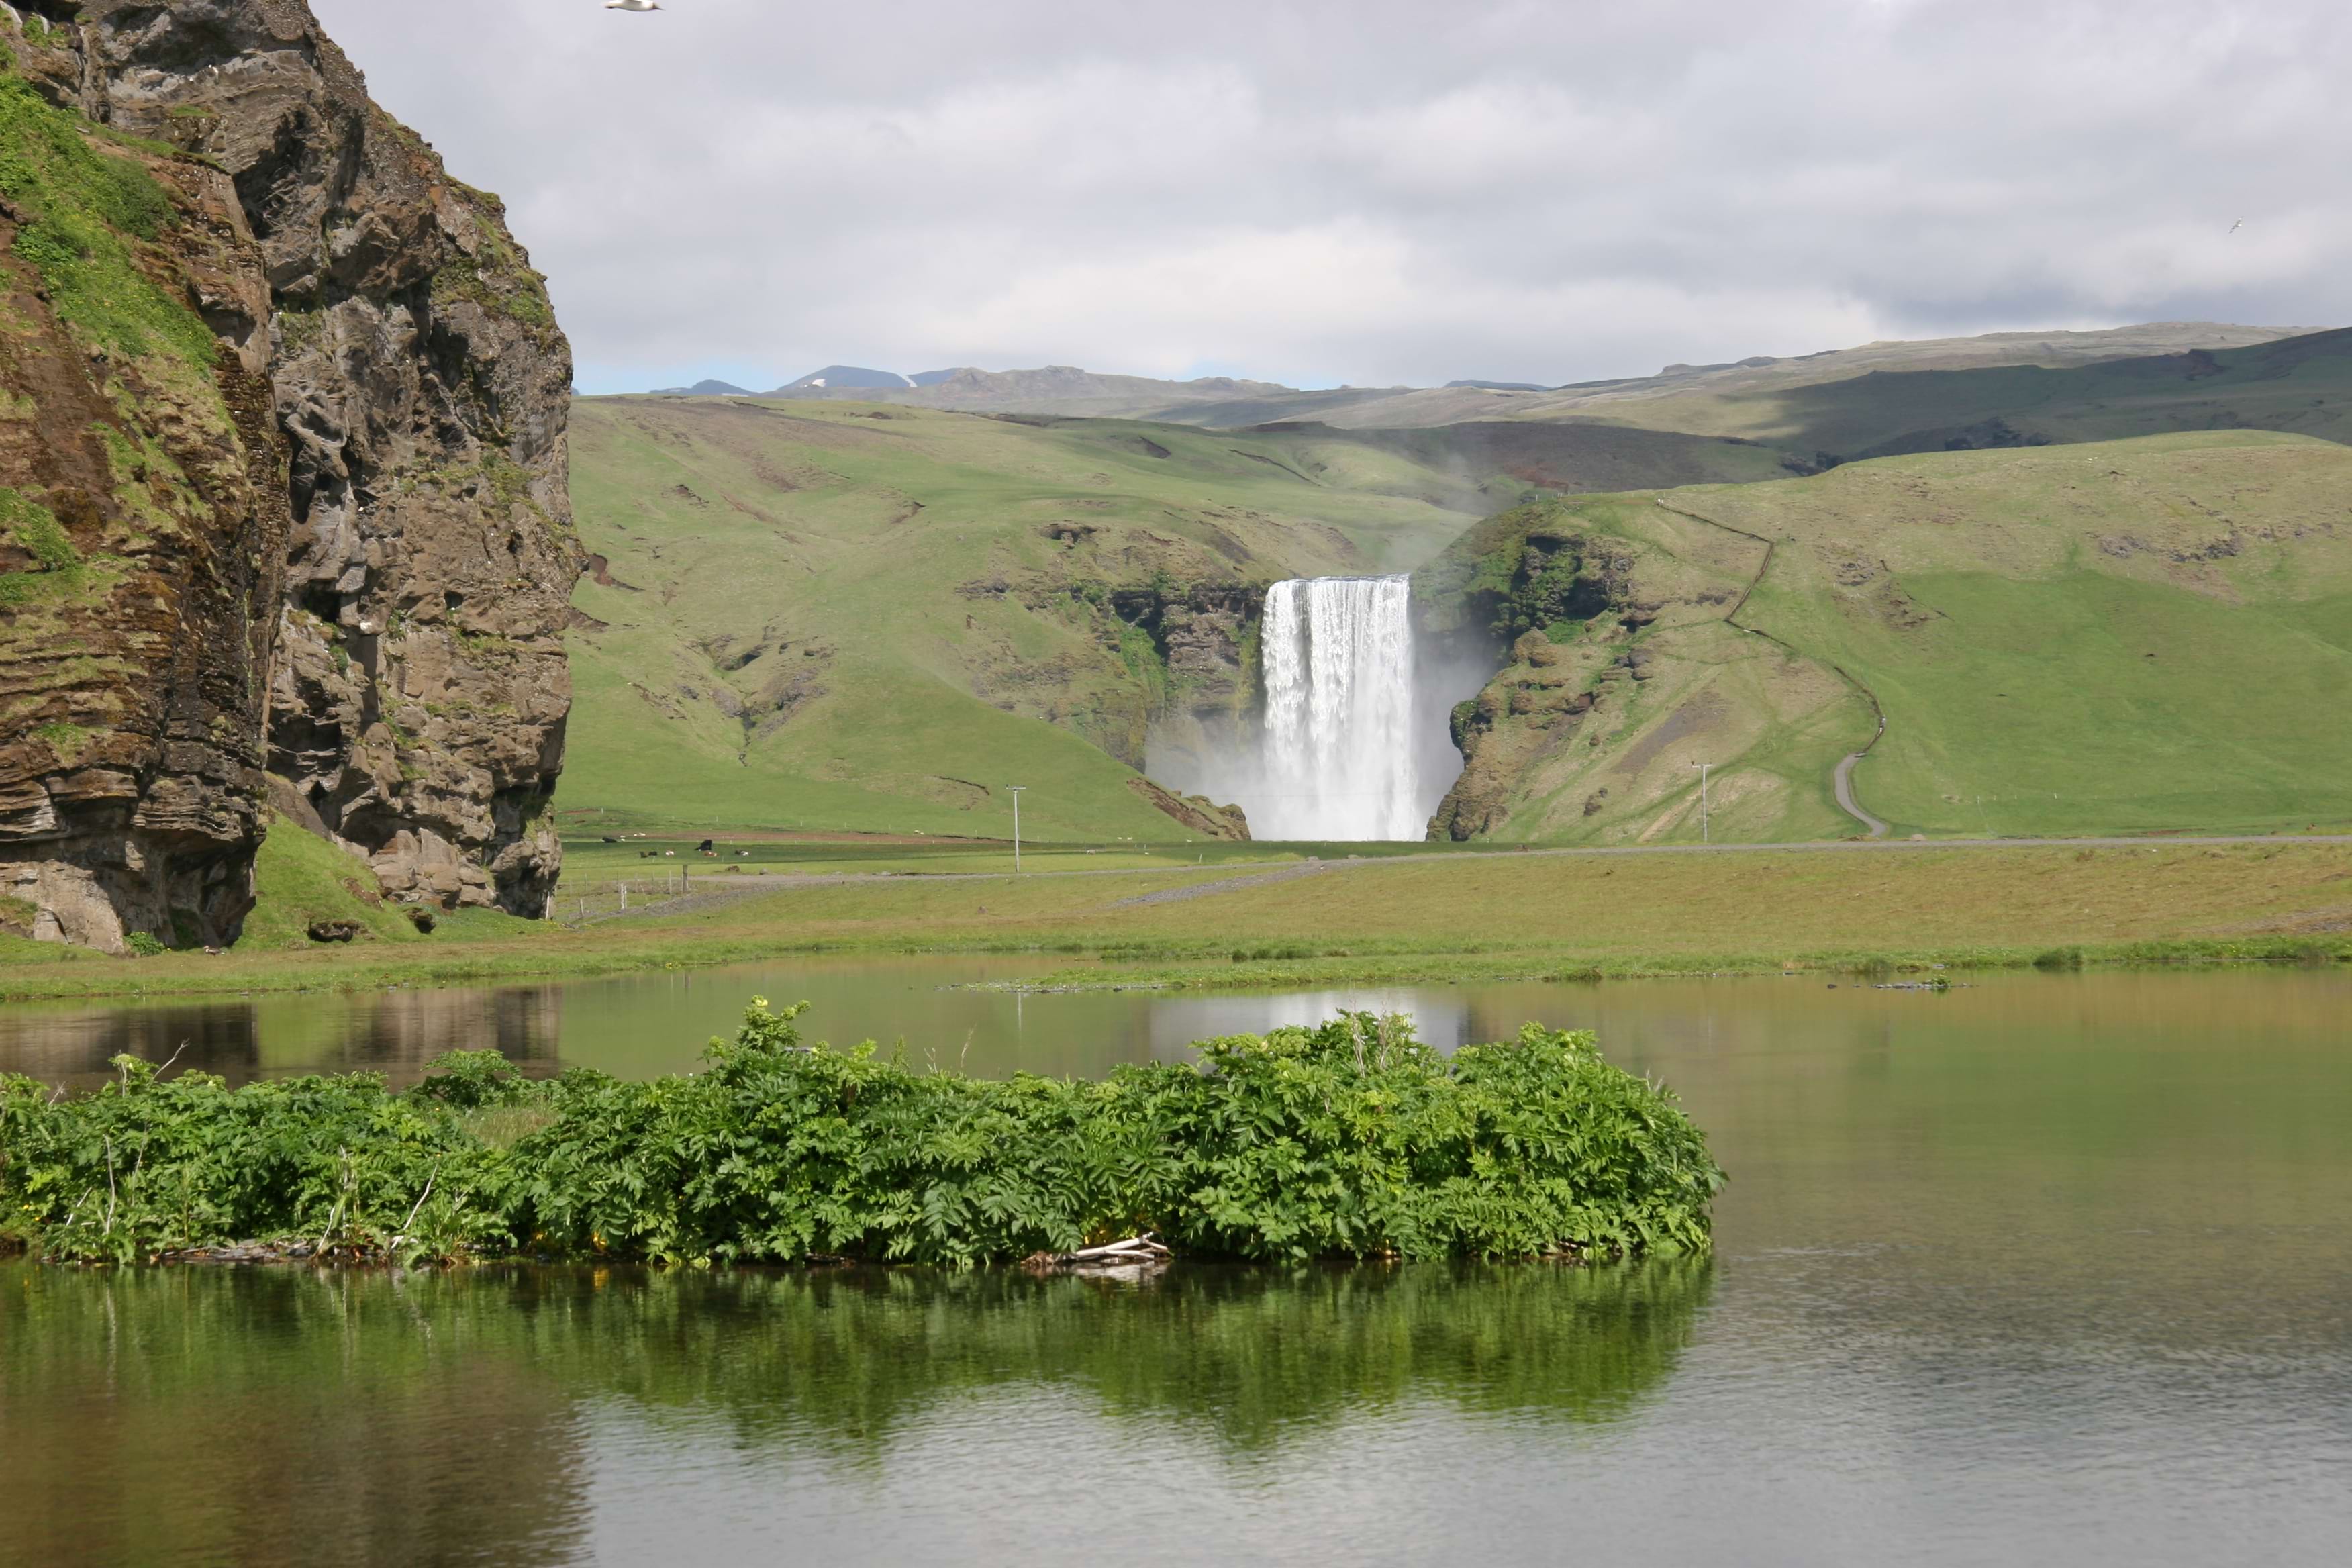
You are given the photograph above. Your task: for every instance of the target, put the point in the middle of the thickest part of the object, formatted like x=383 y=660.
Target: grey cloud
x=1380 y=192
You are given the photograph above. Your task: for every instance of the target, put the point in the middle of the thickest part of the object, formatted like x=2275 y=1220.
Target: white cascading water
x=1339 y=759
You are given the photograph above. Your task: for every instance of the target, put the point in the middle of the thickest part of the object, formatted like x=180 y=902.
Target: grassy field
x=2153 y=635
x=2113 y=638
x=1425 y=917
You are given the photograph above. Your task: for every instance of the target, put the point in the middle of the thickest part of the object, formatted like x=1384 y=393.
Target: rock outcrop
x=1196 y=813
x=282 y=467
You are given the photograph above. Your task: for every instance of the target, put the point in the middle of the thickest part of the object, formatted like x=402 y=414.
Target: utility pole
x=1016 y=790
x=1705 y=829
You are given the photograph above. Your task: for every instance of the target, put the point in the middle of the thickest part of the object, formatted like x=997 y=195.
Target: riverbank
x=1398 y=918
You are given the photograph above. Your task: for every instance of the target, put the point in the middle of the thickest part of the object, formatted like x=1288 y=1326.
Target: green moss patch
x=84 y=213
x=35 y=529
x=68 y=740
x=498 y=281
x=17 y=917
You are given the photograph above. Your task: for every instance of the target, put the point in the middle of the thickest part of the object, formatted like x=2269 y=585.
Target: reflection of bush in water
x=1249 y=1353
x=845 y=1358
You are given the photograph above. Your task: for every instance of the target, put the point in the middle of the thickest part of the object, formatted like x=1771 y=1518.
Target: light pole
x=1705 y=829
x=1016 y=790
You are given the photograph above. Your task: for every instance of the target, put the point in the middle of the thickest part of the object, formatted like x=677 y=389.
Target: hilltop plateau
x=1761 y=397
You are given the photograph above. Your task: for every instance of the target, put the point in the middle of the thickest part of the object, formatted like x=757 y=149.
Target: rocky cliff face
x=284 y=474
x=1565 y=608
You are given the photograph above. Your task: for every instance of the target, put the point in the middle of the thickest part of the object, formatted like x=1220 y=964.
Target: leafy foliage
x=1353 y=1140
x=148 y=1165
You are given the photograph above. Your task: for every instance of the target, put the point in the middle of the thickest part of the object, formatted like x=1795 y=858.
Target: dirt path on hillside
x=1844 y=779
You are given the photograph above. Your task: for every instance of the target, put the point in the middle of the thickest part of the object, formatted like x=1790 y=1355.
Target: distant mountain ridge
x=704 y=389
x=1234 y=403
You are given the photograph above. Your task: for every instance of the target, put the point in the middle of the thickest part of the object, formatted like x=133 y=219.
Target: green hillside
x=2138 y=636
x=842 y=615
x=837 y=616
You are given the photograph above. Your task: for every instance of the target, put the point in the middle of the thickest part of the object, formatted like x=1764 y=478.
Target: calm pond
x=2051 y=1270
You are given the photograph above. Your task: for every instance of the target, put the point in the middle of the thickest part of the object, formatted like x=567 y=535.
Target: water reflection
x=392 y=1032
x=1441 y=1018
x=2053 y=1268
x=638 y=1025
x=436 y=1417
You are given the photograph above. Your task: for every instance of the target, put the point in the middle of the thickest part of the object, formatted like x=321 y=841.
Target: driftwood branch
x=1136 y=1251
x=1133 y=1247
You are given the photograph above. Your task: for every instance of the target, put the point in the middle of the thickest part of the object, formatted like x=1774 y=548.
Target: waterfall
x=1338 y=753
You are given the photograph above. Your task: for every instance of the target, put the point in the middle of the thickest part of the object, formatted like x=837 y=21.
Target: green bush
x=1351 y=1141
x=143 y=945
x=146 y=1166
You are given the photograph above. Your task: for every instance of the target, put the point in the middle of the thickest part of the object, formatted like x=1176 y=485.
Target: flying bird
x=2237 y=226
x=632 y=4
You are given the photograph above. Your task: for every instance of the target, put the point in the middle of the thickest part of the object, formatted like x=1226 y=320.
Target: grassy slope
x=902 y=558
x=298 y=878
x=2115 y=638
x=1432 y=917
x=902 y=568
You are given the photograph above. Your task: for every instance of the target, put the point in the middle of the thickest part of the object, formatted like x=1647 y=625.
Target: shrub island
x=1351 y=1141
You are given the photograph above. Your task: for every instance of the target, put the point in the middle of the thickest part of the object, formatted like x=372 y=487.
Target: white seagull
x=2233 y=227
x=632 y=4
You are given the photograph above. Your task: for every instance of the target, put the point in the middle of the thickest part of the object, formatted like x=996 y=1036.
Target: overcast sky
x=1373 y=191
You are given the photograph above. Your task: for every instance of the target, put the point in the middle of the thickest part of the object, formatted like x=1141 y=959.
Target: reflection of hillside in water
x=272 y=1416
x=392 y=1032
